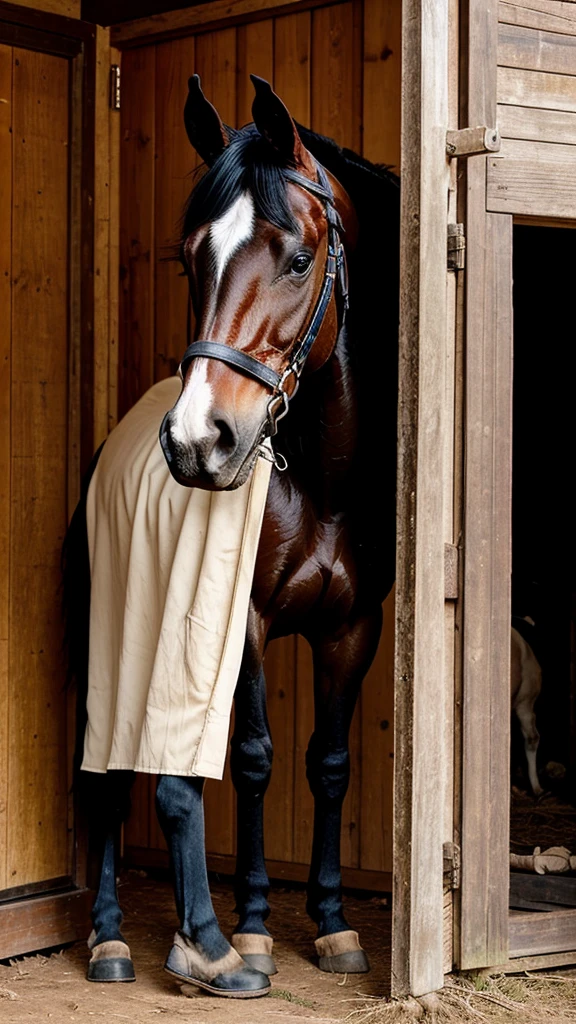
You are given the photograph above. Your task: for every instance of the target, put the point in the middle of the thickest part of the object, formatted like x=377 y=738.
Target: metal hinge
x=472 y=141
x=456 y=247
x=451 y=866
x=115 y=87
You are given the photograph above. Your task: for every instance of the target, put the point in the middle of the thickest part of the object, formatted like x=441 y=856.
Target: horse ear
x=203 y=125
x=274 y=121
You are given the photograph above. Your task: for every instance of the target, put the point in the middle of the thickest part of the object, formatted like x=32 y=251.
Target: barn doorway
x=544 y=576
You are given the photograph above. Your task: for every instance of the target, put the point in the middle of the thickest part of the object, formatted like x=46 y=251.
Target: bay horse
x=290 y=245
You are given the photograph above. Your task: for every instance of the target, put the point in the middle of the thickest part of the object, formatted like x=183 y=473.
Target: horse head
x=263 y=249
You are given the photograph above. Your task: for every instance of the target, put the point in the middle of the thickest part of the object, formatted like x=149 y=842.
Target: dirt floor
x=53 y=986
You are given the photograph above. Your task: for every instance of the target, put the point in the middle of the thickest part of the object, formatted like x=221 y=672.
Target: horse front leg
x=200 y=955
x=339 y=668
x=107 y=800
x=251 y=763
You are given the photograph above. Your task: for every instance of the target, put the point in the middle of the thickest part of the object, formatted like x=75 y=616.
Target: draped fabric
x=171 y=575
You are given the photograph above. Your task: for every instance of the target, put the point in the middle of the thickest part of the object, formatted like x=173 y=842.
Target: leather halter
x=335 y=268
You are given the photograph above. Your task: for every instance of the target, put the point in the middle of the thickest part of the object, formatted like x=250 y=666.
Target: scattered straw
x=506 y=999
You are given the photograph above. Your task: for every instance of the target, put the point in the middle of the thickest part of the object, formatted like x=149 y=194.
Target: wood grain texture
x=487 y=530
x=37 y=798
x=5 y=430
x=254 y=56
x=420 y=762
x=114 y=256
x=375 y=757
x=534 y=934
x=534 y=50
x=203 y=18
x=555 y=8
x=382 y=51
x=174 y=162
x=292 y=63
x=68 y=8
x=557 y=126
x=545 y=20
x=44 y=921
x=536 y=89
x=279 y=667
x=336 y=111
x=137 y=242
x=102 y=194
x=537 y=188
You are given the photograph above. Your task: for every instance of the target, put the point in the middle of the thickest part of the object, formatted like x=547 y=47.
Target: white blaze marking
x=190 y=417
x=229 y=231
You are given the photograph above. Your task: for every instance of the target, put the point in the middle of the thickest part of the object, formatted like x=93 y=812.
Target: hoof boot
x=256 y=951
x=111 y=961
x=341 y=953
x=229 y=976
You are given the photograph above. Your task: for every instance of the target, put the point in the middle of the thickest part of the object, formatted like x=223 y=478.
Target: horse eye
x=300 y=263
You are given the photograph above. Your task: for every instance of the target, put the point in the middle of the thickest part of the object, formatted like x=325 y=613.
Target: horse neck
x=322 y=437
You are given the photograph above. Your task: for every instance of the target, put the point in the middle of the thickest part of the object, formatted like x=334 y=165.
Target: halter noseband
x=335 y=268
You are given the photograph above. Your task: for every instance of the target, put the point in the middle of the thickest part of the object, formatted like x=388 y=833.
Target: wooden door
x=427 y=523
x=40 y=441
x=338 y=69
x=522 y=78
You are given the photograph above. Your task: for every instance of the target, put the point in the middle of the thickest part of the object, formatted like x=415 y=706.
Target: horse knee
x=251 y=763
x=176 y=796
x=328 y=771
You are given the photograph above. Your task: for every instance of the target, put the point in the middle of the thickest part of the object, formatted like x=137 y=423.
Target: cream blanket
x=171 y=574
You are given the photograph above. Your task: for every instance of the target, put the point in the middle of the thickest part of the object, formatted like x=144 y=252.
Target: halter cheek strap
x=334 y=270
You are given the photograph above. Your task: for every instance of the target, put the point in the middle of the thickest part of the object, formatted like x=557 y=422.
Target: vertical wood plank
x=114 y=255
x=377 y=752
x=419 y=782
x=279 y=666
x=292 y=83
x=487 y=531
x=381 y=74
x=137 y=828
x=382 y=44
x=487 y=535
x=102 y=192
x=5 y=394
x=292 y=64
x=255 y=56
x=175 y=159
x=136 y=354
x=336 y=100
x=37 y=798
x=215 y=62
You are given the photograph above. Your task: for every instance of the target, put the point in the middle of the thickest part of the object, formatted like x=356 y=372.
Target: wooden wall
x=338 y=69
x=35 y=841
x=535 y=172
x=69 y=8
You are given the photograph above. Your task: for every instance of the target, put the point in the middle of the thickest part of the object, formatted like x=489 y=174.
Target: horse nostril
x=227 y=439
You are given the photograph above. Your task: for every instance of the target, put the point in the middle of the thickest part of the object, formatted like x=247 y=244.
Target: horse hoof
x=229 y=976
x=256 y=951
x=111 y=961
x=341 y=953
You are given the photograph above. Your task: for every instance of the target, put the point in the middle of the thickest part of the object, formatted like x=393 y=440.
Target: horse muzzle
x=218 y=461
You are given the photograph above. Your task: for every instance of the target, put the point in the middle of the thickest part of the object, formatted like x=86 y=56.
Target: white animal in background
x=525 y=686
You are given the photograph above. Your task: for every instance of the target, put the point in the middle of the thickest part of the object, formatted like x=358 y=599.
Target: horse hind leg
x=251 y=763
x=338 y=672
x=108 y=799
x=525 y=713
x=200 y=954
